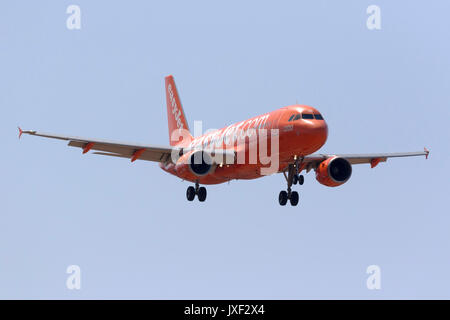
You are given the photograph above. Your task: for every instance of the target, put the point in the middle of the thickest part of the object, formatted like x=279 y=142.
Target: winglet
x=21 y=132
x=427 y=152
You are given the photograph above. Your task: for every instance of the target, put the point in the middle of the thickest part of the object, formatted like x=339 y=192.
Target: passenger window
x=307 y=116
x=297 y=117
x=318 y=116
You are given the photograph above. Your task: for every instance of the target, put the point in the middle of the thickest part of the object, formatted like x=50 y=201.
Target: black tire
x=283 y=198
x=294 y=179
x=190 y=193
x=301 y=179
x=201 y=194
x=294 y=198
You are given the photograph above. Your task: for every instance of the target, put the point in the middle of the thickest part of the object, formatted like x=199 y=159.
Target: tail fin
x=175 y=113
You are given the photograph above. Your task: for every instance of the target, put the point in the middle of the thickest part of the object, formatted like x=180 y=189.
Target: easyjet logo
x=175 y=111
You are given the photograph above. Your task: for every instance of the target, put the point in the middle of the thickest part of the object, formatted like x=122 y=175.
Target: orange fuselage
x=301 y=131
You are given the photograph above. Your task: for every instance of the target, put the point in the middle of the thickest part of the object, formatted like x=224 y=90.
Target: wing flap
x=111 y=154
x=365 y=160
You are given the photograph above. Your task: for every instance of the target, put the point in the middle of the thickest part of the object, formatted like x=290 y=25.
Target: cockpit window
x=307 y=116
x=291 y=117
x=297 y=117
x=318 y=116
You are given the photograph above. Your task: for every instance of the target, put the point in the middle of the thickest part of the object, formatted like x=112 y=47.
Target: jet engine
x=199 y=163
x=334 y=171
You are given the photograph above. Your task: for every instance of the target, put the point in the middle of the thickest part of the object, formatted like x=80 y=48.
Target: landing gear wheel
x=301 y=179
x=190 y=193
x=201 y=194
x=294 y=198
x=295 y=179
x=283 y=198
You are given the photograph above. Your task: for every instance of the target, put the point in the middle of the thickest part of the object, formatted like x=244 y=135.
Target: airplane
x=297 y=131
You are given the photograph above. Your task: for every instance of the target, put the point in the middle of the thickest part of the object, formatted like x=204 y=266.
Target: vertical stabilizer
x=175 y=113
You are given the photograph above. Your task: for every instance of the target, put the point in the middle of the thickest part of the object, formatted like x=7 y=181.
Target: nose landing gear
x=191 y=192
x=292 y=177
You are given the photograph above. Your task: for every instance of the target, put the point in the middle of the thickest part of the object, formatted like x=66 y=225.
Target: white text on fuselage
x=232 y=133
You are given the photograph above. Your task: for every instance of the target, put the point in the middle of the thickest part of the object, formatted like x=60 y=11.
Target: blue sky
x=129 y=226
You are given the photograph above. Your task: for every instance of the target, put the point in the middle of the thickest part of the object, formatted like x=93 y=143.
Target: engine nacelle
x=198 y=163
x=334 y=171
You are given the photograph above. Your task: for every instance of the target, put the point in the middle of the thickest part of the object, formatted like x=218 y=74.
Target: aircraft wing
x=373 y=159
x=112 y=148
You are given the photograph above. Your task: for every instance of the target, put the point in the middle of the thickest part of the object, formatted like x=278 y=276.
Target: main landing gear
x=292 y=177
x=199 y=191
